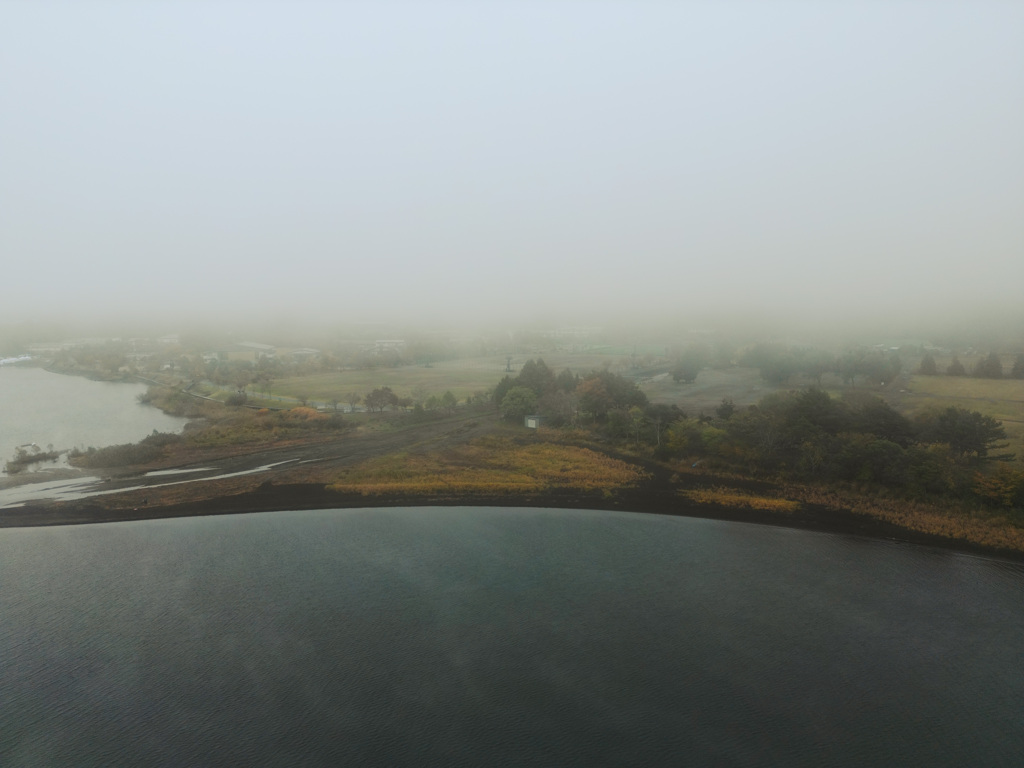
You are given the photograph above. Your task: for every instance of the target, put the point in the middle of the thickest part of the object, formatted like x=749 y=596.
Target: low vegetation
x=218 y=427
x=25 y=457
x=728 y=497
x=145 y=451
x=490 y=466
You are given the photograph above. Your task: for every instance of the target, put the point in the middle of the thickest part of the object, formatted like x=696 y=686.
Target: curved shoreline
x=270 y=497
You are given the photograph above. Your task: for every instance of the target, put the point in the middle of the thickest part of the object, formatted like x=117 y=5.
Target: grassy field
x=323 y=387
x=461 y=377
x=1002 y=399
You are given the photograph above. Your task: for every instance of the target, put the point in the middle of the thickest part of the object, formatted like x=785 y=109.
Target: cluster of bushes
x=564 y=398
x=173 y=402
x=250 y=426
x=146 y=450
x=809 y=435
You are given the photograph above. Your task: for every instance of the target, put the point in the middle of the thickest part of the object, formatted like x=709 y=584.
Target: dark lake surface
x=478 y=636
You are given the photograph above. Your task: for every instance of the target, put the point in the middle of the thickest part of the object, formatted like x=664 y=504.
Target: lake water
x=69 y=411
x=475 y=636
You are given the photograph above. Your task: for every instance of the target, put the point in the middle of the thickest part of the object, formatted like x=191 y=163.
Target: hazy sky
x=474 y=157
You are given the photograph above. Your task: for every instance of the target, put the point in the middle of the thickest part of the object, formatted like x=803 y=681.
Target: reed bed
x=730 y=497
x=489 y=466
x=951 y=521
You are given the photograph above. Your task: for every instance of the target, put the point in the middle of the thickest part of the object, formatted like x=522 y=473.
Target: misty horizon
x=442 y=164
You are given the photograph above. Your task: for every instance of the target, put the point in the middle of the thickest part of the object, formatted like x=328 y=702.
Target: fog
x=468 y=162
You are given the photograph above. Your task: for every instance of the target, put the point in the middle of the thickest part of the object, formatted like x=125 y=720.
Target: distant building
x=258 y=350
x=532 y=422
x=388 y=345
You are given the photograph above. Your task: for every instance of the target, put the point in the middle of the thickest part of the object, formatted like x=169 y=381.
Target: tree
x=558 y=407
x=966 y=432
x=537 y=376
x=689 y=364
x=686 y=370
x=594 y=398
x=567 y=381
x=1017 y=372
x=381 y=398
x=660 y=416
x=956 y=368
x=419 y=393
x=874 y=416
x=989 y=368
x=518 y=403
x=928 y=367
x=726 y=409
x=637 y=421
x=353 y=399
x=502 y=389
x=815 y=363
x=448 y=402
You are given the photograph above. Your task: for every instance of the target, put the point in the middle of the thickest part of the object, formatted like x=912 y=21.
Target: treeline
x=778 y=364
x=860 y=439
x=989 y=367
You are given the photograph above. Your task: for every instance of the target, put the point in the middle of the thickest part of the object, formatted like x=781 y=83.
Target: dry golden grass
x=487 y=466
x=951 y=521
x=730 y=497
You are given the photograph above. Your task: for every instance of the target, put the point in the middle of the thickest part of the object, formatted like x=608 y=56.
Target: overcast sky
x=367 y=159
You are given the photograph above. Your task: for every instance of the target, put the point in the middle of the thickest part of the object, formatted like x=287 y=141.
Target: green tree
x=1017 y=372
x=726 y=409
x=686 y=370
x=989 y=368
x=537 y=376
x=966 y=432
x=518 y=403
x=558 y=407
x=689 y=364
x=594 y=397
x=448 y=402
x=567 y=381
x=956 y=368
x=502 y=389
x=928 y=367
x=380 y=398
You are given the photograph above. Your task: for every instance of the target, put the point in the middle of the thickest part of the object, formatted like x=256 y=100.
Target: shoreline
x=270 y=497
